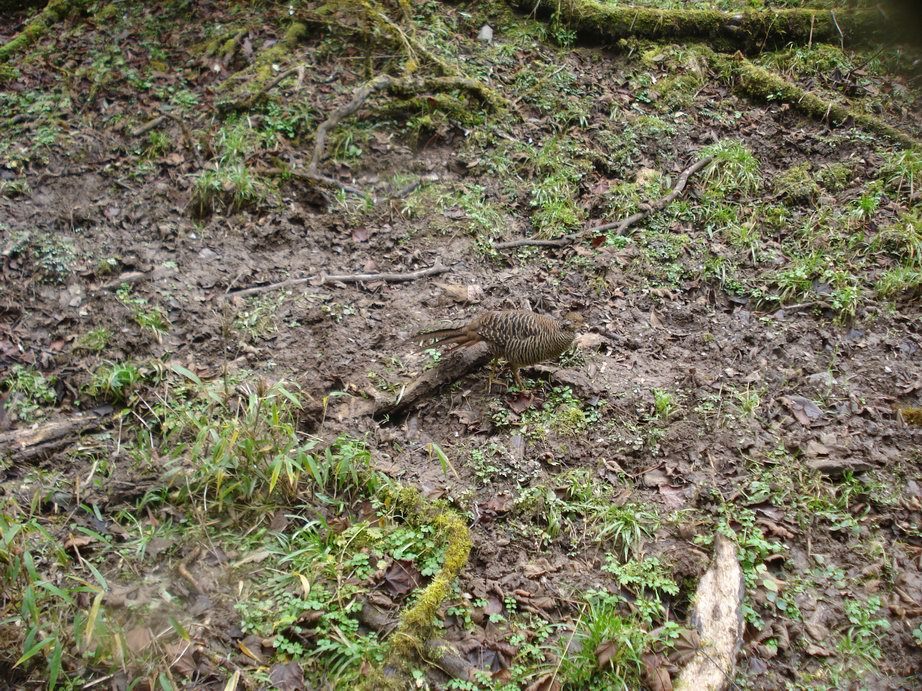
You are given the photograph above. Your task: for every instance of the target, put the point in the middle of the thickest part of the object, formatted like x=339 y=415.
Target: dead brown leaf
x=287 y=677
x=656 y=673
x=401 y=577
x=138 y=638
x=604 y=652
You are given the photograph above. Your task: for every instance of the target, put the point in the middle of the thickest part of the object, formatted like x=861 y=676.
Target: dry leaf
x=604 y=652
x=656 y=674
x=401 y=577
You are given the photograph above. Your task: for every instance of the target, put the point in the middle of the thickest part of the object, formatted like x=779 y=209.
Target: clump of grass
x=796 y=185
x=901 y=171
x=606 y=650
x=147 y=316
x=734 y=170
x=228 y=183
x=94 y=341
x=901 y=281
x=903 y=239
x=29 y=391
x=114 y=381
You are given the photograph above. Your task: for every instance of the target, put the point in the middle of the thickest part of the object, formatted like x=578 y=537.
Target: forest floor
x=189 y=489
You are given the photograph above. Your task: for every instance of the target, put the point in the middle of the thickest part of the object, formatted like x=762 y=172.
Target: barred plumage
x=519 y=336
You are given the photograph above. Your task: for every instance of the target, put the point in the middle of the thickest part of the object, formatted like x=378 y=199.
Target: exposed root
x=759 y=83
x=621 y=226
x=459 y=363
x=411 y=639
x=38 y=26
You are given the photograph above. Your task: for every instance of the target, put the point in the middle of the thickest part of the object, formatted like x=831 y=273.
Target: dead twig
x=620 y=226
x=437 y=268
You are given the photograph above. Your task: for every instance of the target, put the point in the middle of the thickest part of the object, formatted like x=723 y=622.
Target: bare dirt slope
x=751 y=363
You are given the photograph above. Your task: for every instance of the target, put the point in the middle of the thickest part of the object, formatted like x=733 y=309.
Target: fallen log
x=457 y=364
x=37 y=442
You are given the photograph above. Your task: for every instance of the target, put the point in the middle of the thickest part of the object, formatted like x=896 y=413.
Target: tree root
x=437 y=268
x=759 y=83
x=749 y=31
x=33 y=444
x=458 y=363
x=621 y=226
x=38 y=26
x=718 y=620
x=412 y=635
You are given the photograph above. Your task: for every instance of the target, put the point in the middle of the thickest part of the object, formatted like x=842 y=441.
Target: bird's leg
x=518 y=379
x=490 y=376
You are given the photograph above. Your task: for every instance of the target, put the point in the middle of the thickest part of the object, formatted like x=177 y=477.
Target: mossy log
x=750 y=30
x=411 y=639
x=38 y=26
x=756 y=82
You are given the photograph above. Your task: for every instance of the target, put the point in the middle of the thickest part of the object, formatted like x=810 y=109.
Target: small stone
x=485 y=34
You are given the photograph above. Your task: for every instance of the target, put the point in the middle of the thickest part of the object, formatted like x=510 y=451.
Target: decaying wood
x=456 y=364
x=434 y=270
x=39 y=442
x=437 y=653
x=718 y=619
x=620 y=226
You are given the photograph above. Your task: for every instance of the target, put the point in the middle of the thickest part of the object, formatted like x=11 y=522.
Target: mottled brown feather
x=519 y=336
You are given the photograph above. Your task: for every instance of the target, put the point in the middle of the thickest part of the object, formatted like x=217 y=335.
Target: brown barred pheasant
x=520 y=337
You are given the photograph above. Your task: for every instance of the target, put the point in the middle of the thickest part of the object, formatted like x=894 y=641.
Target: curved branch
x=622 y=225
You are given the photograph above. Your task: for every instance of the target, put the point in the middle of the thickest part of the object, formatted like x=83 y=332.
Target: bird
x=520 y=337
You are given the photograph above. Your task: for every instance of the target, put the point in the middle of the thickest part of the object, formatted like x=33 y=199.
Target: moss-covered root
x=410 y=639
x=246 y=88
x=759 y=83
x=749 y=30
x=54 y=12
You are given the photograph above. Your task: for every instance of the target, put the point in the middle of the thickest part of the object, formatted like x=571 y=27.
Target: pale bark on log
x=718 y=618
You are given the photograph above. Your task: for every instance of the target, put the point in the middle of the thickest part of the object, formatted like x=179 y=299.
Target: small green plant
x=862 y=638
x=115 y=381
x=228 y=183
x=734 y=169
x=607 y=653
x=624 y=527
x=664 y=404
x=901 y=281
x=54 y=256
x=258 y=317
x=146 y=315
x=748 y=401
x=901 y=171
x=28 y=392
x=94 y=341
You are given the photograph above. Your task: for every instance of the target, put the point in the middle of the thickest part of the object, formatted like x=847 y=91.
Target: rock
x=485 y=34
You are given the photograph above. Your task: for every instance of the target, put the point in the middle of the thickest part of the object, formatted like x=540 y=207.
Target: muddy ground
x=784 y=411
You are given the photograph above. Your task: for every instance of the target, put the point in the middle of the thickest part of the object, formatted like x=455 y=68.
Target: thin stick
x=437 y=268
x=621 y=225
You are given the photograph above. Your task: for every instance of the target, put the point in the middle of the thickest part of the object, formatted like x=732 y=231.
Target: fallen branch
x=457 y=364
x=622 y=225
x=39 y=442
x=321 y=279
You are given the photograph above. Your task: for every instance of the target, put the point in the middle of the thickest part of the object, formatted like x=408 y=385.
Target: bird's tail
x=456 y=337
